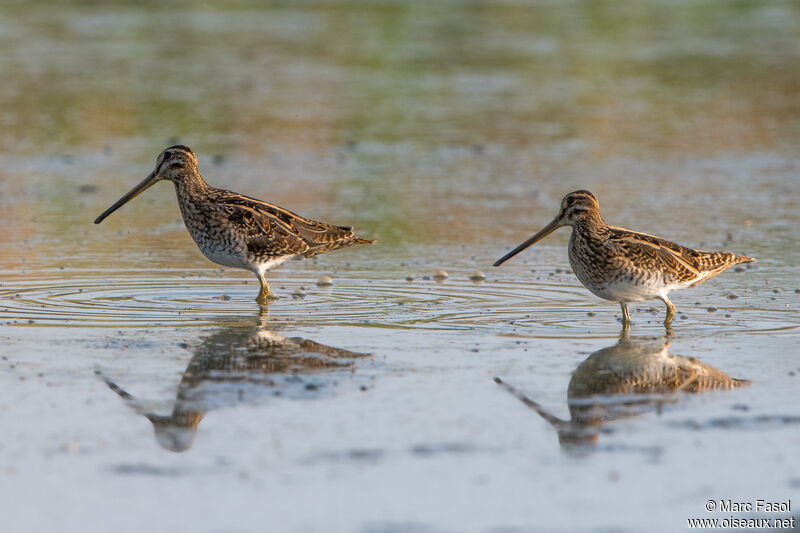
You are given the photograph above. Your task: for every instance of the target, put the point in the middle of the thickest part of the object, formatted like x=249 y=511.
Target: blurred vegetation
x=332 y=72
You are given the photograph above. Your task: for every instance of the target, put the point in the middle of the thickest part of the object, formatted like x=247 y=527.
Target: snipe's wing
x=683 y=264
x=273 y=231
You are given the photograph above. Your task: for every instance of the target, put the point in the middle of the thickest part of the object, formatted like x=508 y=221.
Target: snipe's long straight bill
x=136 y=191
x=544 y=232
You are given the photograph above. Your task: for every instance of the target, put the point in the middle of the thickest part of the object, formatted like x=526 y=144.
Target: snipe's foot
x=626 y=318
x=264 y=299
x=265 y=295
x=670 y=312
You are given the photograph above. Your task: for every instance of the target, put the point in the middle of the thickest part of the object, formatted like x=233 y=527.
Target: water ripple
x=548 y=307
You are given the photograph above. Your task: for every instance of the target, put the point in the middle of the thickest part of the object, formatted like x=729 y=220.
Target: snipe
x=626 y=266
x=235 y=230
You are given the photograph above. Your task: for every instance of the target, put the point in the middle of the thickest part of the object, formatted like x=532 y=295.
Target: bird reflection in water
x=628 y=379
x=234 y=366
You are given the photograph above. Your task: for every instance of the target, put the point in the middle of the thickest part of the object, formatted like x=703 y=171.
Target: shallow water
x=143 y=388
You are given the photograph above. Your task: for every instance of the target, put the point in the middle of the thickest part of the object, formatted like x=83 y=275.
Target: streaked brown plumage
x=626 y=266
x=623 y=380
x=235 y=230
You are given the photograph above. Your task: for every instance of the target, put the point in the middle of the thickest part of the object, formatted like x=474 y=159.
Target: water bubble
x=477 y=276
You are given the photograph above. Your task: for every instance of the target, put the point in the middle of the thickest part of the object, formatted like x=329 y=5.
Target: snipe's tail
x=344 y=242
x=712 y=264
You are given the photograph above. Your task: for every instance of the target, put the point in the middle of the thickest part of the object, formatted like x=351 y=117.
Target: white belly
x=226 y=258
x=624 y=291
x=266 y=265
x=239 y=260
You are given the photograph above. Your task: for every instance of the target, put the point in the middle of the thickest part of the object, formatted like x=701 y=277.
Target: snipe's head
x=575 y=207
x=175 y=164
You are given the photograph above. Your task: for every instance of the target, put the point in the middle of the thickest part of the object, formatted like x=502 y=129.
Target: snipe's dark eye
x=570 y=200
x=167 y=155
